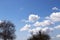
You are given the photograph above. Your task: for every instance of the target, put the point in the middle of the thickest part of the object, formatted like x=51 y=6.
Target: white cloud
x=51 y=29
x=57 y=27
x=58 y=36
x=55 y=17
x=26 y=27
x=37 y=24
x=47 y=30
x=44 y=23
x=50 y=20
x=33 y=17
x=47 y=22
x=35 y=30
x=55 y=8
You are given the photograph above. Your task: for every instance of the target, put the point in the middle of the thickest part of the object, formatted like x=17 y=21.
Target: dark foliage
x=40 y=36
x=7 y=30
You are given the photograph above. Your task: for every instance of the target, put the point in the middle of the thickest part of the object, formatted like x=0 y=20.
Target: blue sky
x=18 y=11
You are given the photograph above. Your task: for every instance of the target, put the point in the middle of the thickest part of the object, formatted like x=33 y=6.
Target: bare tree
x=40 y=36
x=7 y=30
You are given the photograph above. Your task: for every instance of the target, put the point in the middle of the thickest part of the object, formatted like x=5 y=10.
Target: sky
x=32 y=16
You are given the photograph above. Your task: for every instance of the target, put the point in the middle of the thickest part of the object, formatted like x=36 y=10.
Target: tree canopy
x=7 y=30
x=40 y=36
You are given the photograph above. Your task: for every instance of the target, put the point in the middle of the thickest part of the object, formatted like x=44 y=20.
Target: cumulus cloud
x=57 y=27
x=55 y=17
x=33 y=17
x=37 y=24
x=55 y=8
x=44 y=26
x=58 y=36
x=35 y=30
x=52 y=29
x=26 y=27
x=44 y=23
x=47 y=30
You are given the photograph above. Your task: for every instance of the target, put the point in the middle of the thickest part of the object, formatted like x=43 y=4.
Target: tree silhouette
x=7 y=30
x=40 y=36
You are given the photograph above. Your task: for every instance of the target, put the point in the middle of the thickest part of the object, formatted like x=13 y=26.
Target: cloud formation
x=55 y=17
x=57 y=27
x=33 y=17
x=47 y=29
x=35 y=30
x=46 y=26
x=26 y=27
x=55 y=8
x=44 y=23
